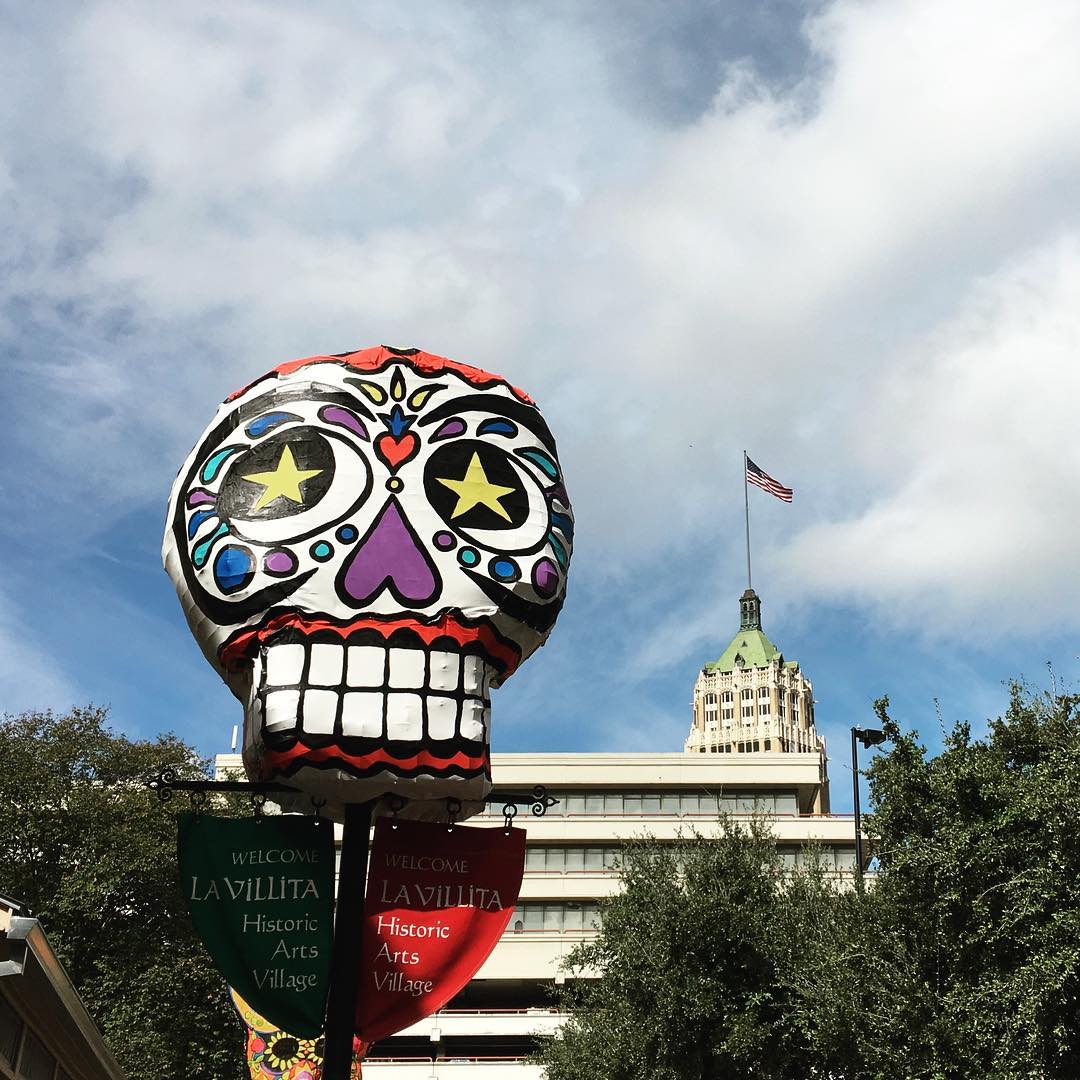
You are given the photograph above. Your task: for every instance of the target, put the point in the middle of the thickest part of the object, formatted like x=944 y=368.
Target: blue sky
x=841 y=235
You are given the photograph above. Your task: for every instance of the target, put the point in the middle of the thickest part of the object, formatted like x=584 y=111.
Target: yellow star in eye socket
x=283 y=482
x=474 y=489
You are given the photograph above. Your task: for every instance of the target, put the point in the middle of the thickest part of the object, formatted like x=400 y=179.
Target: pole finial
x=749 y=611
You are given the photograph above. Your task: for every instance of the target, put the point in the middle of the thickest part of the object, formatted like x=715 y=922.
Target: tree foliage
x=700 y=977
x=977 y=905
x=93 y=854
x=961 y=959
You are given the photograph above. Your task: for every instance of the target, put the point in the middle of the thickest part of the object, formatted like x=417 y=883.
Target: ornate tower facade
x=752 y=700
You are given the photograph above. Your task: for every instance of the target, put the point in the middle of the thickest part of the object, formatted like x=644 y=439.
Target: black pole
x=345 y=957
x=858 y=819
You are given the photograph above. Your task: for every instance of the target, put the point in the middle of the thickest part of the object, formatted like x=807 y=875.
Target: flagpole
x=746 y=502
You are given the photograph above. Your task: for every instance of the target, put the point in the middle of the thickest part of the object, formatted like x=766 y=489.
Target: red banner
x=438 y=900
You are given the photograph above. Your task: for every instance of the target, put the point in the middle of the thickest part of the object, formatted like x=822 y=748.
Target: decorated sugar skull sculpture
x=365 y=545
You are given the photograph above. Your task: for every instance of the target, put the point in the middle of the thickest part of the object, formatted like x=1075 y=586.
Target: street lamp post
x=868 y=737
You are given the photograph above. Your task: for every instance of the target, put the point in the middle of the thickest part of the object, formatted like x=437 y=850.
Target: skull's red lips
x=244 y=644
x=285 y=763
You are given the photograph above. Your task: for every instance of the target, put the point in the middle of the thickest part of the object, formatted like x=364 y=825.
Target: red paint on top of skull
x=379 y=357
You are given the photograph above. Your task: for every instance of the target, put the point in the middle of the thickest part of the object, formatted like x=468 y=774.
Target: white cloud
x=971 y=443
x=867 y=279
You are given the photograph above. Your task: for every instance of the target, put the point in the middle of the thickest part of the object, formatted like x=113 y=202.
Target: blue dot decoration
x=563 y=524
x=202 y=551
x=346 y=534
x=504 y=569
x=210 y=469
x=196 y=521
x=321 y=551
x=468 y=556
x=498 y=427
x=266 y=423
x=560 y=552
x=234 y=567
x=544 y=461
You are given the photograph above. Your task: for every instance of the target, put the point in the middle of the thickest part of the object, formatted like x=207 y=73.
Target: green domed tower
x=752 y=700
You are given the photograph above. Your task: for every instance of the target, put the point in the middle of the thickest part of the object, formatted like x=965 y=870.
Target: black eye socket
x=320 y=1048
x=473 y=485
x=287 y=474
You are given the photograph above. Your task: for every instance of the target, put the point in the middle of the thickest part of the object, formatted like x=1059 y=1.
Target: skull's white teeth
x=319 y=711
x=374 y=692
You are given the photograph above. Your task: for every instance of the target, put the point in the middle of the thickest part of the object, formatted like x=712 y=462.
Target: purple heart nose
x=389 y=557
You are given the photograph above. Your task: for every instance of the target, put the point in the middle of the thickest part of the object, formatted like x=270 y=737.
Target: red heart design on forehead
x=393 y=451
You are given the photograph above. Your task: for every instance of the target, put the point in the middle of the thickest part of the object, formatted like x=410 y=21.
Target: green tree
x=93 y=853
x=970 y=939
x=702 y=956
x=960 y=960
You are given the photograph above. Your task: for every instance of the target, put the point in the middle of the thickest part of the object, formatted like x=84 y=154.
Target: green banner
x=260 y=892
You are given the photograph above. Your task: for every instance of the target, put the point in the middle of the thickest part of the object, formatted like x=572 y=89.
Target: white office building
x=752 y=749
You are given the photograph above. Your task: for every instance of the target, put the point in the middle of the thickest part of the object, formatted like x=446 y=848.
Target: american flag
x=760 y=478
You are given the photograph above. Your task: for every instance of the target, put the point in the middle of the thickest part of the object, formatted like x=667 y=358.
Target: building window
x=727 y=695
x=747 y=711
x=747 y=694
x=728 y=713
x=763 y=709
x=763 y=691
x=564 y=917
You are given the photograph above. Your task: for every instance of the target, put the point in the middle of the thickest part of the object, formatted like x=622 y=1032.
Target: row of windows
x=747 y=713
x=571 y=859
x=560 y=917
x=727 y=697
x=632 y=803
x=838 y=858
x=23 y=1051
x=584 y=915
x=728 y=712
x=749 y=746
